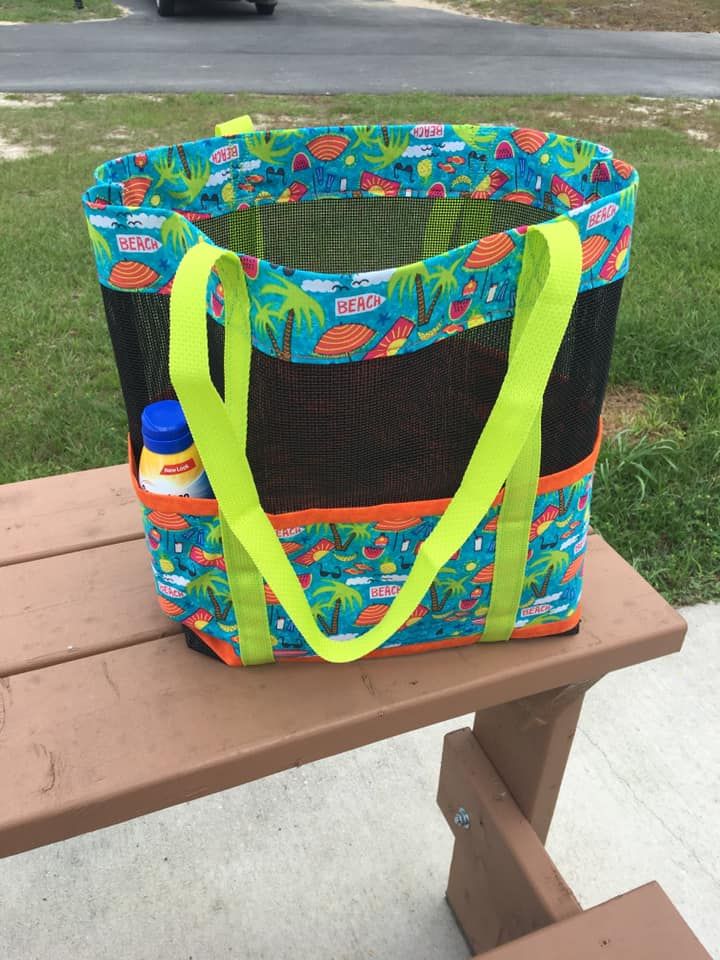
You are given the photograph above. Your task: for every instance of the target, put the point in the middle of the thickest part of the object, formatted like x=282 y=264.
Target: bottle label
x=171 y=469
x=177 y=474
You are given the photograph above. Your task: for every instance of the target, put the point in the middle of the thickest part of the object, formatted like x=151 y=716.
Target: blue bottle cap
x=164 y=427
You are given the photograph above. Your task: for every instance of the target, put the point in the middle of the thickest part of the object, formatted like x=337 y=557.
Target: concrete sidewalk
x=347 y=858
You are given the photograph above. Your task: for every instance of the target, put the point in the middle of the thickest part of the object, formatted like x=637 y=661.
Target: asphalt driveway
x=319 y=46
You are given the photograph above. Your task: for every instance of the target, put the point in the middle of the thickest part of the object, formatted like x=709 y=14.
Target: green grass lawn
x=684 y=15
x=29 y=11
x=658 y=487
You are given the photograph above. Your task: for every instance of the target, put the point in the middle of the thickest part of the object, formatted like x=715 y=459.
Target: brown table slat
x=641 y=925
x=109 y=737
x=76 y=605
x=55 y=515
x=89 y=602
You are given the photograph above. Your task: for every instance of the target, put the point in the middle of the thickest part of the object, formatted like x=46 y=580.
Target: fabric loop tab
x=233 y=128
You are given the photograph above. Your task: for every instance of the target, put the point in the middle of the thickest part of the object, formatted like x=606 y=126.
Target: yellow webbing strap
x=551 y=273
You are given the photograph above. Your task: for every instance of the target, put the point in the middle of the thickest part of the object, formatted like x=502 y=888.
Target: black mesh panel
x=386 y=430
x=361 y=234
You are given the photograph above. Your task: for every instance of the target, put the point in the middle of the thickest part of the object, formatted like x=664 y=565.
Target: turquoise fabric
x=147 y=209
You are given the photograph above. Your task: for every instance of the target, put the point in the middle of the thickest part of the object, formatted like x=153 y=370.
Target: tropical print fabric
x=350 y=573
x=148 y=208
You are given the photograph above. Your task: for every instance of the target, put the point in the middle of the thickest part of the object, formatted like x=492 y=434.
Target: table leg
x=528 y=742
x=502 y=884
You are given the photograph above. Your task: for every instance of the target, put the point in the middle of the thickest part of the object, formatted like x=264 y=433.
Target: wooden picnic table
x=105 y=714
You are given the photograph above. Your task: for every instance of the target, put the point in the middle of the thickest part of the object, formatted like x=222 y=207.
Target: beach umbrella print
x=290 y=546
x=529 y=140
x=617 y=257
x=344 y=340
x=623 y=168
x=491 y=525
x=270 y=597
x=328 y=146
x=169 y=608
x=393 y=341
x=489 y=251
x=134 y=191
x=396 y=526
x=371 y=615
x=592 y=249
x=520 y=196
x=574 y=570
x=168 y=521
x=485 y=574
x=132 y=275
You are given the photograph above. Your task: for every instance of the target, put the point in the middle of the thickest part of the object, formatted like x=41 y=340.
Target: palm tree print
x=566 y=495
x=268 y=147
x=177 y=233
x=389 y=147
x=575 y=156
x=213 y=586
x=472 y=136
x=165 y=169
x=101 y=247
x=295 y=307
x=539 y=574
x=339 y=597
x=211 y=531
x=195 y=177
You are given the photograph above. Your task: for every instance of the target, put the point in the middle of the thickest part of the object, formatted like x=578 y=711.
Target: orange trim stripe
x=384 y=511
x=541 y=631
x=223 y=649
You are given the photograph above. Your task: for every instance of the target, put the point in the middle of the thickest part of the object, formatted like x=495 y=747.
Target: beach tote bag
x=391 y=344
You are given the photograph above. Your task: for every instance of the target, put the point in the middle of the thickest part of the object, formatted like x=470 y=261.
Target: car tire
x=166 y=8
x=265 y=9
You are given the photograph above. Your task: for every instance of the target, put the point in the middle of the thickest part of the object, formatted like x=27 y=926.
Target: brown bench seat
x=106 y=715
